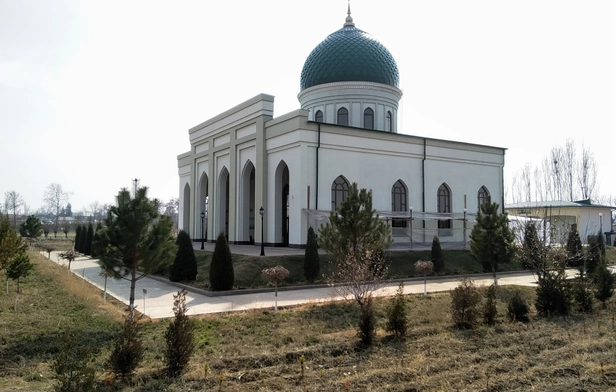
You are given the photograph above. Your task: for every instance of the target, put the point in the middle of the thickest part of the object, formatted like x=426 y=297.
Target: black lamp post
x=202 y=241
x=262 y=212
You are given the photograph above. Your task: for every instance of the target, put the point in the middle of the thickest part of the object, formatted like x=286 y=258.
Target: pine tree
x=184 y=266
x=575 y=251
x=312 y=264
x=87 y=249
x=77 y=237
x=492 y=240
x=397 y=318
x=135 y=240
x=437 y=256
x=604 y=284
x=553 y=295
x=83 y=239
x=593 y=254
x=127 y=351
x=19 y=268
x=179 y=337
x=221 y=267
x=95 y=238
x=601 y=243
x=31 y=229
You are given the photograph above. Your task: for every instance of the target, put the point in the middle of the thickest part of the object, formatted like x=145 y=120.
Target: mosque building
x=247 y=170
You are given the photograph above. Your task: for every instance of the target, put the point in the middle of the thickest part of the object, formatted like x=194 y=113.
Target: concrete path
x=157 y=302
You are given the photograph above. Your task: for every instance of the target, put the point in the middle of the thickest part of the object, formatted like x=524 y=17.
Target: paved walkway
x=157 y=302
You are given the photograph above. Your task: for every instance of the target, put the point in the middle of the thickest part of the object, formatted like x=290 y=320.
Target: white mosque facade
x=297 y=167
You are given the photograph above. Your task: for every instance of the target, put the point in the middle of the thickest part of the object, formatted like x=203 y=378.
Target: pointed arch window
x=399 y=202
x=444 y=207
x=389 y=126
x=340 y=191
x=369 y=118
x=318 y=116
x=343 y=116
x=482 y=196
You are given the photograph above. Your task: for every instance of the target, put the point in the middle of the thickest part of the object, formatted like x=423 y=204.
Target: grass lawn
x=261 y=350
x=401 y=265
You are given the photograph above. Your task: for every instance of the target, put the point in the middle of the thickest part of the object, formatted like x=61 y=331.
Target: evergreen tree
x=221 y=267
x=135 y=240
x=179 y=337
x=77 y=237
x=533 y=253
x=601 y=244
x=604 y=284
x=492 y=240
x=575 y=251
x=553 y=295
x=517 y=308
x=184 y=266
x=89 y=238
x=95 y=238
x=489 y=307
x=19 y=268
x=397 y=318
x=354 y=227
x=83 y=239
x=127 y=351
x=593 y=255
x=437 y=256
x=312 y=263
x=31 y=229
x=464 y=301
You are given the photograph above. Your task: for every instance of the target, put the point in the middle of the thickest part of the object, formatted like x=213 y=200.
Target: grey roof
x=556 y=203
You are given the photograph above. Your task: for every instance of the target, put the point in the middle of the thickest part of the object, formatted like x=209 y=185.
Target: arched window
x=318 y=116
x=398 y=202
x=369 y=118
x=389 y=126
x=343 y=116
x=340 y=191
x=482 y=196
x=444 y=206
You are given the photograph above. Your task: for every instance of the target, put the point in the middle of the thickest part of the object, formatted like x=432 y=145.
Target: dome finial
x=349 y=19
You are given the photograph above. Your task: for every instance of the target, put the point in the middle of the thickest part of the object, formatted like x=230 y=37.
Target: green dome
x=349 y=54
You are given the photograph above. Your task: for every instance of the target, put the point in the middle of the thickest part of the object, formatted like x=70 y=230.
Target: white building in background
x=298 y=166
x=560 y=217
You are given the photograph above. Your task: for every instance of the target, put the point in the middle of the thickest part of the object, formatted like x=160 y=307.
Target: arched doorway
x=282 y=204
x=222 y=221
x=186 y=209
x=246 y=218
x=203 y=205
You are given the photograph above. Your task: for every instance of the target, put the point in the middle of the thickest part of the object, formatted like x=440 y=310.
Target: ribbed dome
x=349 y=54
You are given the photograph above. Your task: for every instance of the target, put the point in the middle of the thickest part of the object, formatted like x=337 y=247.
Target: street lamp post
x=262 y=212
x=464 y=229
x=202 y=238
x=411 y=226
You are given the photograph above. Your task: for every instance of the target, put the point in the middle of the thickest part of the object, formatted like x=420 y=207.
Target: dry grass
x=261 y=350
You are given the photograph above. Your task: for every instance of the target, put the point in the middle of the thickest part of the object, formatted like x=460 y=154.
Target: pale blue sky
x=94 y=94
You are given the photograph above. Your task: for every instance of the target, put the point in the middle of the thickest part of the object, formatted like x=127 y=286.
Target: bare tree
x=13 y=202
x=569 y=169
x=55 y=198
x=587 y=176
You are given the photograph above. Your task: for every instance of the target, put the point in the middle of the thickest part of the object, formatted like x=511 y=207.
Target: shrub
x=72 y=367
x=489 y=308
x=77 y=237
x=396 y=314
x=179 y=338
x=437 y=256
x=312 y=263
x=464 y=301
x=517 y=308
x=583 y=297
x=221 y=267
x=87 y=247
x=367 y=323
x=184 y=265
x=604 y=284
x=575 y=251
x=553 y=296
x=128 y=350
